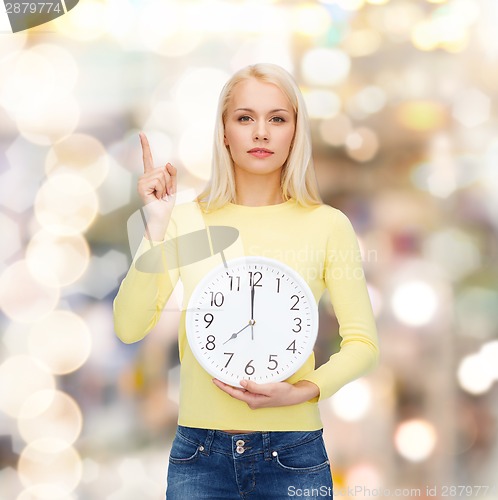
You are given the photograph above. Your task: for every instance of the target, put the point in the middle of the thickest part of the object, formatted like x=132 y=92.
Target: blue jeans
x=216 y=465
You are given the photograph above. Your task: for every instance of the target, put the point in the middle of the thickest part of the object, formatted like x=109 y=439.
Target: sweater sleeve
x=146 y=287
x=345 y=281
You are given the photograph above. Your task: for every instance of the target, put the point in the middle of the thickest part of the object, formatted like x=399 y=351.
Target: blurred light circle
x=439 y=248
x=195 y=149
x=362 y=144
x=422 y=115
x=88 y=22
x=310 y=19
x=11 y=46
x=61 y=341
x=61 y=469
x=362 y=42
x=352 y=401
x=364 y=474
x=45 y=491
x=57 y=260
x=11 y=237
x=27 y=83
x=334 y=131
x=472 y=108
x=196 y=93
x=61 y=421
x=476 y=311
x=474 y=375
x=376 y=299
x=20 y=377
x=414 y=303
x=349 y=4
x=415 y=439
x=64 y=65
x=37 y=93
x=66 y=204
x=22 y=297
x=322 y=103
x=167 y=29
x=155 y=123
x=270 y=48
x=50 y=120
x=489 y=355
x=37 y=403
x=81 y=154
x=398 y=19
x=115 y=191
x=325 y=66
x=370 y=99
x=424 y=36
x=120 y=16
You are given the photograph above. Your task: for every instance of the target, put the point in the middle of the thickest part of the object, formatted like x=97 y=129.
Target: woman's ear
x=225 y=140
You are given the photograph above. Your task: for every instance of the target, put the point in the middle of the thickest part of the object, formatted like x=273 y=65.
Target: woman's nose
x=261 y=132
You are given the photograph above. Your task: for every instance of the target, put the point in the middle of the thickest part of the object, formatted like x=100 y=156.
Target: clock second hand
x=234 y=335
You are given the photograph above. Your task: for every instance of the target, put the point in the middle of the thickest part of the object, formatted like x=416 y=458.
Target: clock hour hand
x=234 y=335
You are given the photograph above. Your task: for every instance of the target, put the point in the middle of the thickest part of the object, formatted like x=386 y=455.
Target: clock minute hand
x=234 y=335
x=251 y=322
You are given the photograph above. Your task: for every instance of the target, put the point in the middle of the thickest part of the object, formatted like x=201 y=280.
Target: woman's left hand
x=271 y=395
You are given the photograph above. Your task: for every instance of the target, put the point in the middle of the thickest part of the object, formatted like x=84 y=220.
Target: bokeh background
x=402 y=96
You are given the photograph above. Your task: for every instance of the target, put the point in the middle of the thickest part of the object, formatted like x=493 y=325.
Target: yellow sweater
x=318 y=242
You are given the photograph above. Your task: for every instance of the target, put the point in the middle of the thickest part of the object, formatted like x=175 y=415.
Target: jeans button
x=240 y=442
x=240 y=450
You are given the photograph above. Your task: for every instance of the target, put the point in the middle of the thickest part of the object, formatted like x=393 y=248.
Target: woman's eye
x=244 y=118
x=278 y=119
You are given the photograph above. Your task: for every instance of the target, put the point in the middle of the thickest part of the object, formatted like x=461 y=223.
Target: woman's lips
x=260 y=152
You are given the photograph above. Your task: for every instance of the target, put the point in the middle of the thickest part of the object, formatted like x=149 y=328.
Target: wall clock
x=252 y=318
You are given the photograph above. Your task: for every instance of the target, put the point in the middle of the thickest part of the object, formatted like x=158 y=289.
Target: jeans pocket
x=307 y=457
x=183 y=451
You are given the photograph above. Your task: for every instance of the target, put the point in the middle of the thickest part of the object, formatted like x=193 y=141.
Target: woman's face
x=259 y=127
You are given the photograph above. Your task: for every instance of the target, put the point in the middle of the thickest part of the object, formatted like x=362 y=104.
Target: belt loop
x=209 y=441
x=266 y=445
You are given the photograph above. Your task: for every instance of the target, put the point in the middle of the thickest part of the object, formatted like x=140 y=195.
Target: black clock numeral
x=237 y=279
x=217 y=299
x=278 y=285
x=256 y=276
x=230 y=356
x=208 y=318
x=298 y=325
x=249 y=369
x=210 y=342
x=294 y=308
x=292 y=347
x=272 y=360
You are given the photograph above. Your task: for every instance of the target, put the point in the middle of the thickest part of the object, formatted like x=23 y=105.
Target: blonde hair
x=298 y=177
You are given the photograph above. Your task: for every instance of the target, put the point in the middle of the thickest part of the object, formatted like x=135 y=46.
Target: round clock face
x=255 y=318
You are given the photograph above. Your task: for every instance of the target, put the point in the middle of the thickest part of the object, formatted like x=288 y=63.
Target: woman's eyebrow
x=278 y=110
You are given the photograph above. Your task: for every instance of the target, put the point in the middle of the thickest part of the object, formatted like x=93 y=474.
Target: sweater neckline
x=263 y=208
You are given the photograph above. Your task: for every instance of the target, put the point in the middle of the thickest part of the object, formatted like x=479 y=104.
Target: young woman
x=263 y=441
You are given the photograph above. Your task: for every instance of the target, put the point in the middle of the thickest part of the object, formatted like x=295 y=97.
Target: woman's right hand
x=157 y=189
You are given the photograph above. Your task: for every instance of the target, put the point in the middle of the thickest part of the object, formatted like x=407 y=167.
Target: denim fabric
x=216 y=465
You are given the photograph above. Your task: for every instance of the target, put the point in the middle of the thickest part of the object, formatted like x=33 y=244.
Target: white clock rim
x=251 y=259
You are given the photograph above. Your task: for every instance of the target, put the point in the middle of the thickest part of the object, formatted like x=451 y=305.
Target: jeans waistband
x=246 y=444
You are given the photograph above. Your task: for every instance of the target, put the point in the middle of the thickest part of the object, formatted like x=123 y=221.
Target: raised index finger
x=147 y=154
